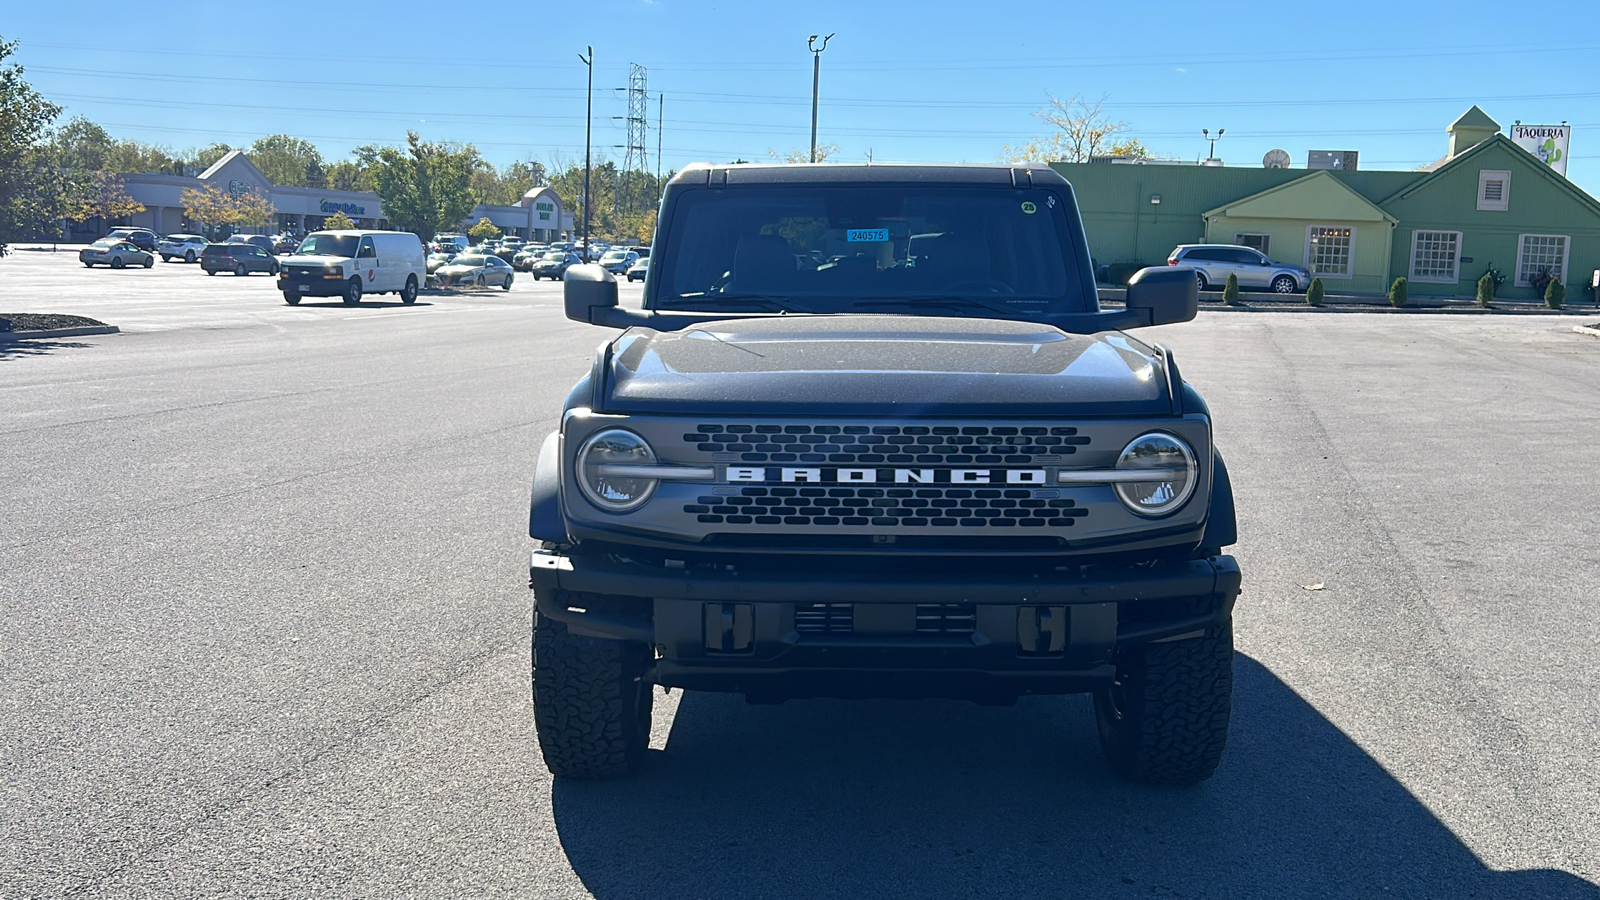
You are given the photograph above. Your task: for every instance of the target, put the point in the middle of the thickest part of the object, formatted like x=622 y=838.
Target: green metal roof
x=1474 y=119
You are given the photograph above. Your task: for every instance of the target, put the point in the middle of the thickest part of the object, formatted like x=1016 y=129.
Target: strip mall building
x=539 y=215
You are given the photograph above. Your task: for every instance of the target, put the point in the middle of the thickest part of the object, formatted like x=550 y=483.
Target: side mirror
x=590 y=293
x=1163 y=295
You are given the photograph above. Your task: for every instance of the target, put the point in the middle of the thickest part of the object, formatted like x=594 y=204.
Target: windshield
x=858 y=248
x=614 y=256
x=107 y=242
x=470 y=260
x=328 y=245
x=556 y=255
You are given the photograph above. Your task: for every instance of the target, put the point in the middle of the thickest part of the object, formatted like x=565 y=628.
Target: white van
x=351 y=264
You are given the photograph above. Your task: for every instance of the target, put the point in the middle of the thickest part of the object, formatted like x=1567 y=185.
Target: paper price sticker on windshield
x=866 y=235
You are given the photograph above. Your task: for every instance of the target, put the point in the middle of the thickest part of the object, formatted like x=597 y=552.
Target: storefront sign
x=329 y=207
x=1548 y=142
x=545 y=208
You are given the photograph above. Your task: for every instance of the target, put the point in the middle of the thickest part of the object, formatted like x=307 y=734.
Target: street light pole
x=816 y=80
x=1207 y=133
x=588 y=126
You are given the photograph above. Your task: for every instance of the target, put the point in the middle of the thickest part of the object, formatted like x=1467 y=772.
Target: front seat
x=762 y=264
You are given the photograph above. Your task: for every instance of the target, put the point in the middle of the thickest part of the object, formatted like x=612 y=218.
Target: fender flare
x=1222 y=525
x=545 y=522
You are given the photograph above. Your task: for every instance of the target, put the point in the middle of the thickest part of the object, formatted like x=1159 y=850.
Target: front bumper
x=989 y=634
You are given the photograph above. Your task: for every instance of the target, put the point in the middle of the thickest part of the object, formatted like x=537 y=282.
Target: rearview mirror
x=590 y=293
x=1162 y=295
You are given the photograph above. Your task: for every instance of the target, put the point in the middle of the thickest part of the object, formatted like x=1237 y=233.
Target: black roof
x=1022 y=175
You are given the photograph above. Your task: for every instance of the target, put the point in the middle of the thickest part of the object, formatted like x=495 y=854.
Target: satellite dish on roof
x=1276 y=159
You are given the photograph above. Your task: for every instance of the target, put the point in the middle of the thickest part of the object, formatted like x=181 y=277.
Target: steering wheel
x=981 y=286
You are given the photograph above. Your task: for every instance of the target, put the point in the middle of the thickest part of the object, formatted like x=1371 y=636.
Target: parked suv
x=143 y=238
x=238 y=258
x=181 y=246
x=929 y=466
x=1213 y=263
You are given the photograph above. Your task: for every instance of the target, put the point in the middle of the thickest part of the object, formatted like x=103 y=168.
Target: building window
x=1434 y=255
x=1541 y=257
x=1259 y=241
x=1328 y=250
x=1494 y=189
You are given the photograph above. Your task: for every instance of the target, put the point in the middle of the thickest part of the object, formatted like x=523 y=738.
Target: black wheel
x=88 y=265
x=507 y=285
x=481 y=282
x=1283 y=284
x=1165 y=718
x=352 y=291
x=291 y=298
x=149 y=261
x=591 y=704
x=1201 y=277
x=166 y=258
x=240 y=270
x=211 y=271
x=116 y=262
x=188 y=256
x=408 y=294
x=273 y=270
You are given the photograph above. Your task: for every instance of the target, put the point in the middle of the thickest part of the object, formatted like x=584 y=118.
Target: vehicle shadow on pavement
x=945 y=799
x=36 y=347
x=365 y=304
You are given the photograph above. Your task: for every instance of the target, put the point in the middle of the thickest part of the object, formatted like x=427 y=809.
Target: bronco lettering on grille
x=764 y=474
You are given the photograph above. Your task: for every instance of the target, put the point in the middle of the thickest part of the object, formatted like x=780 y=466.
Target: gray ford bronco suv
x=871 y=435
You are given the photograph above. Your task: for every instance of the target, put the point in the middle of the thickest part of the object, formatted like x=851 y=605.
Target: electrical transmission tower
x=636 y=159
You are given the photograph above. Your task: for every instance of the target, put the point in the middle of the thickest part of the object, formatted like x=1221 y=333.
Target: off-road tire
x=1165 y=721
x=591 y=707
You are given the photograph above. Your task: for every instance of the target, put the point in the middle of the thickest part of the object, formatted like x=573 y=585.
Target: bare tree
x=1083 y=129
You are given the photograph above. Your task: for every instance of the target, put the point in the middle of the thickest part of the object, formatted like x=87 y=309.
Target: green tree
x=1083 y=129
x=33 y=190
x=1486 y=286
x=1555 y=294
x=427 y=187
x=338 y=222
x=216 y=207
x=347 y=175
x=1397 y=292
x=1316 y=292
x=825 y=152
x=1230 y=291
x=485 y=230
x=208 y=155
x=84 y=146
x=286 y=160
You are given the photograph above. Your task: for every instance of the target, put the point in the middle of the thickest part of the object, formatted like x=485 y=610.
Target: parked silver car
x=1213 y=263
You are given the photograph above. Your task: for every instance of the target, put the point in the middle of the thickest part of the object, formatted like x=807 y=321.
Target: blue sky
x=930 y=81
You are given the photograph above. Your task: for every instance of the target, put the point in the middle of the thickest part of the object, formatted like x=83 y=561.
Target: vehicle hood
x=308 y=259
x=883 y=365
x=458 y=270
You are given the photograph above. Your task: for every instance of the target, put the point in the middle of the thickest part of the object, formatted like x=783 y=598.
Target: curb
x=1586 y=329
x=7 y=337
x=1394 y=310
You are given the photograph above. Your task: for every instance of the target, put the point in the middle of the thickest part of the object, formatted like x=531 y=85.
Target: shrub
x=485 y=230
x=1230 y=291
x=338 y=222
x=1397 y=292
x=1486 y=286
x=1555 y=294
x=1315 y=292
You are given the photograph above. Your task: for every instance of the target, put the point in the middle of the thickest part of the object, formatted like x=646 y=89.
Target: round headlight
x=1172 y=474
x=605 y=489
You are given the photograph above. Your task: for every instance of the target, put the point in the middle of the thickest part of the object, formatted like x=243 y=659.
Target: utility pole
x=661 y=118
x=588 y=124
x=816 y=80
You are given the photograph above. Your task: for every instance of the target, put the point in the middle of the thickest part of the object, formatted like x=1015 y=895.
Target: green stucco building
x=1486 y=202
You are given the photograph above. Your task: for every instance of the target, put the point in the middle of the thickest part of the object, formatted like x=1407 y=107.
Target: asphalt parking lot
x=265 y=630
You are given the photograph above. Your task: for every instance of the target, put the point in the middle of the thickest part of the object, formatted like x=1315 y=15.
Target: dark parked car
x=143 y=238
x=259 y=240
x=238 y=258
x=285 y=243
x=933 y=466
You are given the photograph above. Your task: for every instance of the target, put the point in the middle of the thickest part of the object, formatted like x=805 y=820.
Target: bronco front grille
x=855 y=445
x=824 y=618
x=937 y=507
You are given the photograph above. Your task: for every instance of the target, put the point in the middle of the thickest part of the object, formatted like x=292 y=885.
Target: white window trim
x=1237 y=235
x=1504 y=177
x=1566 y=257
x=1311 y=259
x=1413 y=276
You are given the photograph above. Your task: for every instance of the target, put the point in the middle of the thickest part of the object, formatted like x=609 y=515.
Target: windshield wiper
x=944 y=301
x=700 y=299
